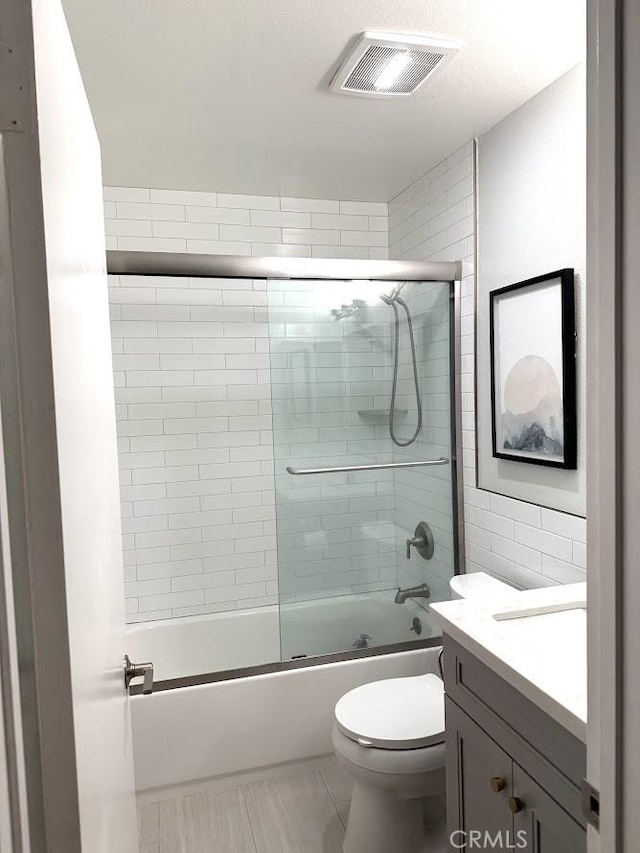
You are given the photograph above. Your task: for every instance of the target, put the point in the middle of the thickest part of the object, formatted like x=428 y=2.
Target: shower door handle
x=138 y=670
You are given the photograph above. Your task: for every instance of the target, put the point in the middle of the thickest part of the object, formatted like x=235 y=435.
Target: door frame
x=613 y=746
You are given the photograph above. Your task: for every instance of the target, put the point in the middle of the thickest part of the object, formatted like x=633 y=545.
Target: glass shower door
x=335 y=347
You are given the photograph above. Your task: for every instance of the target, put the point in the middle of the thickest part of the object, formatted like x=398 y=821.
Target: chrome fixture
x=422 y=541
x=421 y=591
x=362 y=642
x=345 y=469
x=388 y=298
x=416 y=626
x=138 y=670
x=393 y=299
x=356 y=307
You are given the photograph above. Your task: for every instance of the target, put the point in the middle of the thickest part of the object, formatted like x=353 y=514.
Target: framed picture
x=533 y=371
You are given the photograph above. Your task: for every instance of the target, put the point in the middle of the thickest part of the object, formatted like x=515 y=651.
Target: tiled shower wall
x=140 y=219
x=191 y=362
x=193 y=376
x=433 y=220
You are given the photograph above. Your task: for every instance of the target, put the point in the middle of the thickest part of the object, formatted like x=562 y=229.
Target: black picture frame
x=566 y=279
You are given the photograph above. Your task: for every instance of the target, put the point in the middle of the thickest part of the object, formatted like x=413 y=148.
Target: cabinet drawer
x=554 y=757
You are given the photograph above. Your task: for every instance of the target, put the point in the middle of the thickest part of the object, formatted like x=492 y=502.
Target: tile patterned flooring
x=303 y=810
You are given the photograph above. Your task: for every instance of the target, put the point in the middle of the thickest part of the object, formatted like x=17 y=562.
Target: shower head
x=390 y=298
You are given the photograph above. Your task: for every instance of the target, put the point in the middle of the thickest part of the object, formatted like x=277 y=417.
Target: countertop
x=542 y=656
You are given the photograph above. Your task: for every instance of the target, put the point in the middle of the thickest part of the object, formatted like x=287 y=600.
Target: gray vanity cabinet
x=513 y=773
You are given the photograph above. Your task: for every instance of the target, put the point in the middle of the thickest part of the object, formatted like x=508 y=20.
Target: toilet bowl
x=389 y=736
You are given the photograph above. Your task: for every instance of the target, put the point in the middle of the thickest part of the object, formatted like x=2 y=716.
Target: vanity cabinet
x=513 y=772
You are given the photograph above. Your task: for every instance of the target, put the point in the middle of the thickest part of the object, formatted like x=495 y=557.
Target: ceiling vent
x=384 y=65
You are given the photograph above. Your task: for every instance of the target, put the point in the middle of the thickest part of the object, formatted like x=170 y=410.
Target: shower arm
x=344 y=469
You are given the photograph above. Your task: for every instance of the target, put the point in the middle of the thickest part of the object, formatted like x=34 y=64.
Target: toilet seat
x=397 y=713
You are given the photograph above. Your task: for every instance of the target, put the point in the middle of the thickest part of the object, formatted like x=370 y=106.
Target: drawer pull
x=498 y=784
x=516 y=805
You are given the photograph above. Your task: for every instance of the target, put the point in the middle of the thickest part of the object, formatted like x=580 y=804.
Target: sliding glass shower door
x=361 y=388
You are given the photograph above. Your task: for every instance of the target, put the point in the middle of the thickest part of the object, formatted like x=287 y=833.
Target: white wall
x=219 y=223
x=433 y=220
x=532 y=220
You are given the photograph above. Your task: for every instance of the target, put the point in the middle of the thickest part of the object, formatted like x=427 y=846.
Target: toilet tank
x=480 y=585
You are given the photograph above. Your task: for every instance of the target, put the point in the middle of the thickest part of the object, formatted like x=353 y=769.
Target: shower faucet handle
x=415 y=542
x=422 y=541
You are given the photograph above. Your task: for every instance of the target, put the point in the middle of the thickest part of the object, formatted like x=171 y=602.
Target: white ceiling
x=232 y=95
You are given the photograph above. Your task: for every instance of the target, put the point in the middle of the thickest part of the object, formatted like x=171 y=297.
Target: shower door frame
x=184 y=265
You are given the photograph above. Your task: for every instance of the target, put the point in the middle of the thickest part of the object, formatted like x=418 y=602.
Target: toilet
x=389 y=736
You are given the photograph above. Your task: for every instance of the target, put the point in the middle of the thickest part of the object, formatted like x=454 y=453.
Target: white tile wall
x=433 y=220
x=219 y=223
x=196 y=453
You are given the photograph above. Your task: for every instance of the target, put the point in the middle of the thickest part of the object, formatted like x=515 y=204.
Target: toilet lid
x=398 y=713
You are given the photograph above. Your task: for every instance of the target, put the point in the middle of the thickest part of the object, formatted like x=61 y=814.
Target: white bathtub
x=237 y=639
x=231 y=726
x=194 y=645
x=228 y=727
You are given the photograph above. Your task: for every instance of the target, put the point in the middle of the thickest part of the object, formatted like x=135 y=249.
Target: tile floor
x=301 y=811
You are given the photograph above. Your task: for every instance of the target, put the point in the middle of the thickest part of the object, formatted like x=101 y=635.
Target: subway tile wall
x=433 y=219
x=141 y=219
x=191 y=366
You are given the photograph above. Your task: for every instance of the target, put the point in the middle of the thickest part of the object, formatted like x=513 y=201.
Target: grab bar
x=346 y=468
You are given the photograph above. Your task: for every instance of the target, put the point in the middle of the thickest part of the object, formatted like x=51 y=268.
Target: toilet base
x=396 y=795
x=380 y=821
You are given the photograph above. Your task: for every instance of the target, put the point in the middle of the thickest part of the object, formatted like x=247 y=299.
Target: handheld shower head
x=393 y=300
x=390 y=298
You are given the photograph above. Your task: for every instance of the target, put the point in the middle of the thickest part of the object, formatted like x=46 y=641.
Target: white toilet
x=389 y=735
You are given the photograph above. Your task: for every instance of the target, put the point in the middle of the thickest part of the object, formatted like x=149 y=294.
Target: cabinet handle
x=498 y=784
x=516 y=805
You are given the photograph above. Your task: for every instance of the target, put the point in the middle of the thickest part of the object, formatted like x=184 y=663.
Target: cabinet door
x=542 y=826
x=479 y=783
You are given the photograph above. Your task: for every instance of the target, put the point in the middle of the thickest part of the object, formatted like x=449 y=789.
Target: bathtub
x=194 y=645
x=237 y=639
x=231 y=726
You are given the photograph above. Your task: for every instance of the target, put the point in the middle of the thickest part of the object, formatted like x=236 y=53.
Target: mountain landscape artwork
x=533 y=374
x=532 y=408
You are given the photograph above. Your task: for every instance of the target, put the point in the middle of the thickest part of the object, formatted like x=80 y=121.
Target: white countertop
x=542 y=656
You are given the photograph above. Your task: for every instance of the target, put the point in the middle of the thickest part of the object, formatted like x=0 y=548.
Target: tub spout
x=421 y=591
